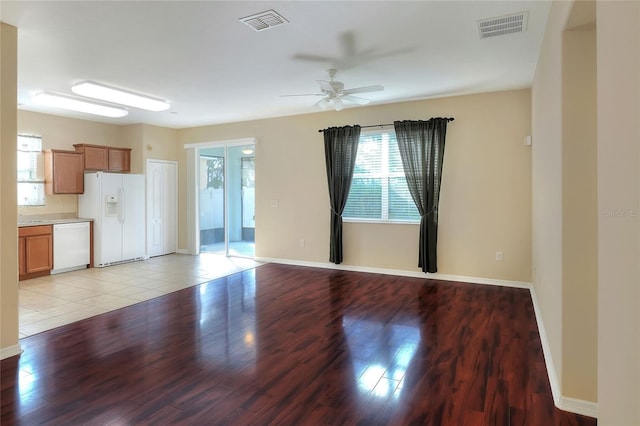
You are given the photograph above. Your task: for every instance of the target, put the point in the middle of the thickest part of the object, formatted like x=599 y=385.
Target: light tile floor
x=55 y=300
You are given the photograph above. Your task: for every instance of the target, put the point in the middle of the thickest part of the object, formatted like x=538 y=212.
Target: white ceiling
x=214 y=69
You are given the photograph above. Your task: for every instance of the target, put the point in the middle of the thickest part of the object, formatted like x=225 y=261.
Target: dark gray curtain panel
x=421 y=145
x=340 y=150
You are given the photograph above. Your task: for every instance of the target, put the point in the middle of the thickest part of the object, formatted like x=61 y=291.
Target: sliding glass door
x=226 y=180
x=211 y=185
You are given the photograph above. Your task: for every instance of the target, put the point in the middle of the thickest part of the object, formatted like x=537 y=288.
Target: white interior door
x=161 y=207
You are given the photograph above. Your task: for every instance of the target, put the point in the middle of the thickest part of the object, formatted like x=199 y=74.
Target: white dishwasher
x=71 y=246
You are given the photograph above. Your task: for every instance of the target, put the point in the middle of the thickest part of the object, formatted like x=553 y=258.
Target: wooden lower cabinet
x=35 y=251
x=21 y=257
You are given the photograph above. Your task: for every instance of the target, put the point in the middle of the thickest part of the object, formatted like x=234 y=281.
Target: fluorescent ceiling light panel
x=94 y=90
x=73 y=104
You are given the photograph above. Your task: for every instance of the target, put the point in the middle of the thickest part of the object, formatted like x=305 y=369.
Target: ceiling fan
x=333 y=92
x=350 y=55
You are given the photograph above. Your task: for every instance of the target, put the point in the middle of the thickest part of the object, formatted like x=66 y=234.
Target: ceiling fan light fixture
x=334 y=93
x=100 y=91
x=78 y=105
x=323 y=103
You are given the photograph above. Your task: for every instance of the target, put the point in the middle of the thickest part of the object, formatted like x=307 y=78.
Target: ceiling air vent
x=264 y=20
x=502 y=25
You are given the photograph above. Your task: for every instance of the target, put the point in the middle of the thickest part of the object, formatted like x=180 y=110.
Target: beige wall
x=160 y=143
x=145 y=141
x=150 y=142
x=485 y=201
x=546 y=98
x=565 y=198
x=618 y=47
x=484 y=151
x=565 y=228
x=8 y=201
x=579 y=212
x=61 y=133
x=133 y=137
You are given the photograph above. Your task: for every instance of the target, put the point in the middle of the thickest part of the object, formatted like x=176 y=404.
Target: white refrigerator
x=115 y=201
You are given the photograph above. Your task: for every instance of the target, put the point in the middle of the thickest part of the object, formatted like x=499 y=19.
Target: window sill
x=381 y=221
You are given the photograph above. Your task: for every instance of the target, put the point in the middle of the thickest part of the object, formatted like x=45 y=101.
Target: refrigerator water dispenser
x=111 y=206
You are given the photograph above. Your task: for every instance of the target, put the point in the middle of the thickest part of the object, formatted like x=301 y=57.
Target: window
x=379 y=189
x=30 y=174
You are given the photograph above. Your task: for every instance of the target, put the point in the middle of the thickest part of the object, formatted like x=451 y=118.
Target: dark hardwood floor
x=288 y=345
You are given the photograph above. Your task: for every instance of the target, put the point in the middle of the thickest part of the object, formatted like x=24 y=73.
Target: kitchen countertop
x=54 y=219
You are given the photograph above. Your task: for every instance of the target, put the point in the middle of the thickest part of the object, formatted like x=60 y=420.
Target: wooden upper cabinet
x=105 y=158
x=119 y=159
x=63 y=172
x=95 y=157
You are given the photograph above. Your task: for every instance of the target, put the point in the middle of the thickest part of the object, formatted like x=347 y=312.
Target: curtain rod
x=384 y=125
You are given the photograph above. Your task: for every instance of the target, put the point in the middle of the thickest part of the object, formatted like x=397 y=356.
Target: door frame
x=193 y=198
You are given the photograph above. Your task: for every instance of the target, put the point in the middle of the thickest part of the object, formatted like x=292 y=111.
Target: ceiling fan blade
x=322 y=103
x=347 y=42
x=363 y=89
x=313 y=58
x=303 y=94
x=355 y=100
x=326 y=86
x=372 y=54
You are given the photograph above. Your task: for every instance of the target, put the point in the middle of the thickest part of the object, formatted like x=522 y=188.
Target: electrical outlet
x=301 y=242
x=499 y=256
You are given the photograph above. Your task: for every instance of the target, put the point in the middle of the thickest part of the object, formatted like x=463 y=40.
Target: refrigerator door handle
x=122 y=206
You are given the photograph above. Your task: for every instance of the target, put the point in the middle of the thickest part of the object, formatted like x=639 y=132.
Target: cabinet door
x=95 y=158
x=68 y=177
x=38 y=253
x=22 y=267
x=119 y=160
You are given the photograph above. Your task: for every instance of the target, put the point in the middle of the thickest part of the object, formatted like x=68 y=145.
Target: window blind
x=378 y=188
x=30 y=171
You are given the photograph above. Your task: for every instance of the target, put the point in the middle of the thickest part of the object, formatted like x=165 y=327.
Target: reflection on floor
x=236 y=248
x=289 y=345
x=55 y=300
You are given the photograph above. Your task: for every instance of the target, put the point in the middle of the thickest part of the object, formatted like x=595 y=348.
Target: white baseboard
x=398 y=272
x=182 y=251
x=578 y=406
x=10 y=351
x=546 y=350
x=73 y=268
